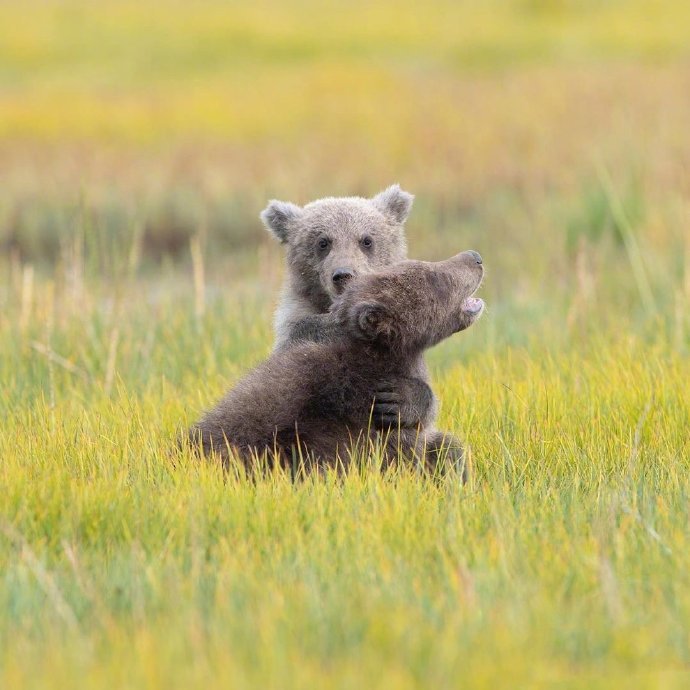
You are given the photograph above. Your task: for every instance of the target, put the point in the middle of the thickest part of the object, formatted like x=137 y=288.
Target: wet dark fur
x=313 y=400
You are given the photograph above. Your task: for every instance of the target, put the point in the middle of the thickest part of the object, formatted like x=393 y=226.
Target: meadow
x=138 y=144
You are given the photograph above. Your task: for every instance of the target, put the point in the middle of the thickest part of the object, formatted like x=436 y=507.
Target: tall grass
x=138 y=143
x=123 y=565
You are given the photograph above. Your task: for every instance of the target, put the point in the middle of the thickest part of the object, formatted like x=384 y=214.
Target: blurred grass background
x=138 y=144
x=550 y=134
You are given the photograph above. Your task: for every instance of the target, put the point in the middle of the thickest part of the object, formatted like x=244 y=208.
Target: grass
x=564 y=560
x=138 y=143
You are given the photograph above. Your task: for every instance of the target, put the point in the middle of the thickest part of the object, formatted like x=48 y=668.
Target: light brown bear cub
x=310 y=400
x=328 y=243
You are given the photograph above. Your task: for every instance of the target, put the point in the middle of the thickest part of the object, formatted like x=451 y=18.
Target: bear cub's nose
x=341 y=276
x=476 y=255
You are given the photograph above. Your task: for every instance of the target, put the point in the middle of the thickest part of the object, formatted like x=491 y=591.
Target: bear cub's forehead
x=343 y=210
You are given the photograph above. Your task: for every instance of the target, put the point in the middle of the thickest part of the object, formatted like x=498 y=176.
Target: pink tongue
x=473 y=304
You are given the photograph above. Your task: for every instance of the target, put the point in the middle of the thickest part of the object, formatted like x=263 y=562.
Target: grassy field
x=138 y=143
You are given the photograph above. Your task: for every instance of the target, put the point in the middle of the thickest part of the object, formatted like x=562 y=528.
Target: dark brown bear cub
x=312 y=401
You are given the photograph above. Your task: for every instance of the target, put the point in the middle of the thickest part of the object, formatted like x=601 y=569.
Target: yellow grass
x=138 y=143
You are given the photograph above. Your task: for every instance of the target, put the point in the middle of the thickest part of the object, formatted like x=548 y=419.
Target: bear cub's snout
x=341 y=277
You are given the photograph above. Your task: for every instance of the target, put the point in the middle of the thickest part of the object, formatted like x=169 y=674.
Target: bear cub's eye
x=367 y=242
x=323 y=243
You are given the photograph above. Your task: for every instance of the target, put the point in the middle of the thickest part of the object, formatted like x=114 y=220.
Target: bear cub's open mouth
x=473 y=306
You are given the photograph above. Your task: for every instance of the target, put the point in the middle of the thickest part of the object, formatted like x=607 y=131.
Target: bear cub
x=312 y=400
x=328 y=243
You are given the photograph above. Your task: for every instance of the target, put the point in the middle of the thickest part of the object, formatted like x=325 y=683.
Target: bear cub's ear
x=394 y=203
x=372 y=321
x=278 y=217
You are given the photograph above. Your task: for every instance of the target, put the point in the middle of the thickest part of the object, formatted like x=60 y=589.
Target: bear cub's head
x=331 y=241
x=413 y=305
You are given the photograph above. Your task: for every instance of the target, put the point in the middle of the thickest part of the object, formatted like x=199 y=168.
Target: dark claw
x=387 y=397
x=386 y=414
